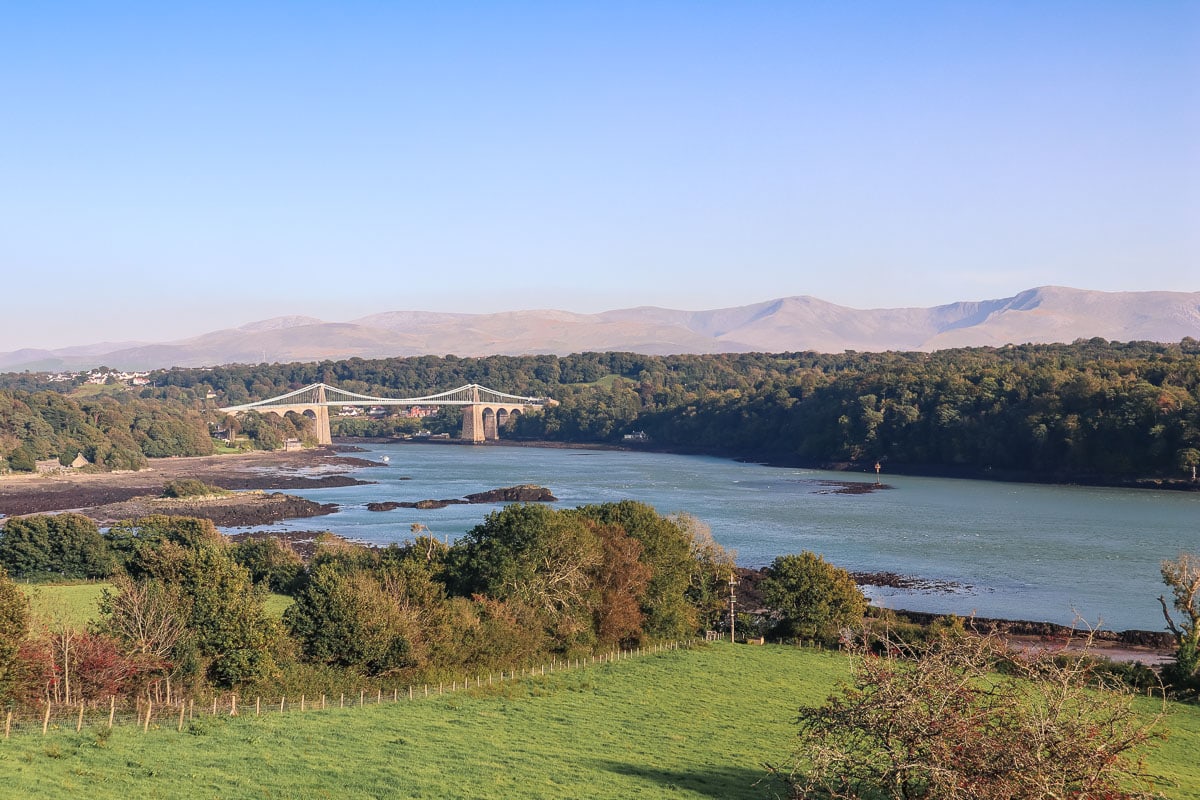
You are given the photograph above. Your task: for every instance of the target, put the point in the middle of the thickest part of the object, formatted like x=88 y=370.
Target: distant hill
x=1042 y=315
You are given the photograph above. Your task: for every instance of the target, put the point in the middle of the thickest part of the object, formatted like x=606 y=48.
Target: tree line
x=1092 y=409
x=187 y=606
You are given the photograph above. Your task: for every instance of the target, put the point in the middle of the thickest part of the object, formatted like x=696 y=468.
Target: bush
x=941 y=723
x=190 y=487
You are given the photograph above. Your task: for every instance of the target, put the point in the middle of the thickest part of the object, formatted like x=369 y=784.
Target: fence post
x=182 y=708
x=149 y=711
x=112 y=709
x=301 y=703
x=257 y=706
x=79 y=722
x=322 y=702
x=281 y=700
x=410 y=691
x=379 y=698
x=233 y=705
x=214 y=705
x=342 y=702
x=7 y=724
x=361 y=694
x=46 y=719
x=395 y=694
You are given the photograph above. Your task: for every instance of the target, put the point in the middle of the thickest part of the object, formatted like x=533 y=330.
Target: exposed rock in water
x=526 y=493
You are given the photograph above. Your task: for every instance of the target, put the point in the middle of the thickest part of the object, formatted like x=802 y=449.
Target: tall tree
x=810 y=598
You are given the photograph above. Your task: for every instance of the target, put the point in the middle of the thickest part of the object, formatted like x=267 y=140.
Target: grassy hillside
x=693 y=724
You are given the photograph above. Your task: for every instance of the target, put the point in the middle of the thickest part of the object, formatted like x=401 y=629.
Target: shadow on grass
x=727 y=782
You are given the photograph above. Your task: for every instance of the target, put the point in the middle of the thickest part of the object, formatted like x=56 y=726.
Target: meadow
x=690 y=724
x=75 y=604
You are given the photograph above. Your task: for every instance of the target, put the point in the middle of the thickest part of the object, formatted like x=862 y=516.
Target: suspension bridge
x=484 y=410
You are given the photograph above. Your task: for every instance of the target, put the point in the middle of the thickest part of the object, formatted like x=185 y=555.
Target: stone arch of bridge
x=482 y=422
x=319 y=414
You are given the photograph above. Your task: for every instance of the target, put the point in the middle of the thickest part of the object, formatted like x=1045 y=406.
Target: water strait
x=1009 y=550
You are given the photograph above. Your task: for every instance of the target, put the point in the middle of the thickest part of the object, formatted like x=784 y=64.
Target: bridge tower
x=472 y=425
x=324 y=435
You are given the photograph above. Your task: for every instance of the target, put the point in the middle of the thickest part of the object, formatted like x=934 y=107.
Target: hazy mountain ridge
x=1045 y=314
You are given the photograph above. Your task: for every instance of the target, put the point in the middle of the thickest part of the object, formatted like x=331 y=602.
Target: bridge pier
x=472 y=424
x=482 y=421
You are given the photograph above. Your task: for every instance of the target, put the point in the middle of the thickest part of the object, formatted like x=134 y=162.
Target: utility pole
x=732 y=602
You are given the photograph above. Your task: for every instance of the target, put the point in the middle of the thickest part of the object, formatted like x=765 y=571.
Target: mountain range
x=1041 y=315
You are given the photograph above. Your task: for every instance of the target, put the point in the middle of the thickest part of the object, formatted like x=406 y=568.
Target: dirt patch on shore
x=308 y=469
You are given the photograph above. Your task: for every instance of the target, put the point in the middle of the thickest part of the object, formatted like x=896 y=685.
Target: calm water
x=1010 y=550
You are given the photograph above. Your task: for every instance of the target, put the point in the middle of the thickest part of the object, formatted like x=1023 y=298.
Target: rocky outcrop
x=525 y=493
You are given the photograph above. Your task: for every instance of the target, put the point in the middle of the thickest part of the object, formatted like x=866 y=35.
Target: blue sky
x=168 y=169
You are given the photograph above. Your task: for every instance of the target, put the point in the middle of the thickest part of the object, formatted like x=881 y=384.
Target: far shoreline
x=850 y=467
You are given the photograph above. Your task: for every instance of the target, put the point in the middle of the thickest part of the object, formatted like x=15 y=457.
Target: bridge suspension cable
x=322 y=394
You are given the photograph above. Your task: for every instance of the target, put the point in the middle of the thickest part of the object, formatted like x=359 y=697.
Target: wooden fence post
x=322 y=702
x=214 y=705
x=361 y=694
x=182 y=708
x=257 y=706
x=112 y=709
x=281 y=701
x=46 y=719
x=379 y=698
x=233 y=705
x=302 y=702
x=7 y=724
x=79 y=722
x=149 y=711
x=410 y=691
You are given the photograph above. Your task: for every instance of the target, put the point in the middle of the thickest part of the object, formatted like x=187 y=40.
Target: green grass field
x=691 y=724
x=73 y=604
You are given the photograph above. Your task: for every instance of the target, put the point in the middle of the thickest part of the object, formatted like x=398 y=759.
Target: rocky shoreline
x=255 y=479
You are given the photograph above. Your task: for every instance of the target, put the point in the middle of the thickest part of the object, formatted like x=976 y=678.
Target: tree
x=811 y=598
x=943 y=723
x=1183 y=576
x=666 y=549
x=541 y=557
x=66 y=545
x=14 y=625
x=344 y=618
x=229 y=638
x=146 y=618
x=270 y=562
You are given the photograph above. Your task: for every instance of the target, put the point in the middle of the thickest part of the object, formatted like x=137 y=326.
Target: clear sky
x=168 y=169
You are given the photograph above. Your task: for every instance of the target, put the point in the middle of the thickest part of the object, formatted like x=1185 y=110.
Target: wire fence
x=147 y=714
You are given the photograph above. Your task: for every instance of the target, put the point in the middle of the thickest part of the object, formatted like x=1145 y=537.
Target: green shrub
x=190 y=487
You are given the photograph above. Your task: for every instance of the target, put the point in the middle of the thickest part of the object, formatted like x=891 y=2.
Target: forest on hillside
x=1092 y=409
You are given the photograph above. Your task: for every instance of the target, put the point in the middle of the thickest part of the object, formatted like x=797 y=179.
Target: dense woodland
x=1090 y=410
